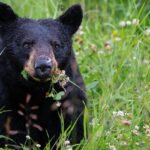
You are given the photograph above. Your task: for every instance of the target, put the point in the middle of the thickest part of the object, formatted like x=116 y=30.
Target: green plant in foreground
x=60 y=77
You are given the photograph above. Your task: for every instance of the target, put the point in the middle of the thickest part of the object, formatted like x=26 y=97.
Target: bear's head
x=38 y=46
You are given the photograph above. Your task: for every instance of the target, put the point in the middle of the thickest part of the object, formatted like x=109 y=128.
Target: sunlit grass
x=115 y=63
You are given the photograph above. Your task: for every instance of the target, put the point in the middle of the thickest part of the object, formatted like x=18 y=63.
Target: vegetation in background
x=113 y=51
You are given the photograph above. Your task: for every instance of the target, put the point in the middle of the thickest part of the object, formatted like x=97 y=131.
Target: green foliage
x=59 y=95
x=113 y=52
x=24 y=74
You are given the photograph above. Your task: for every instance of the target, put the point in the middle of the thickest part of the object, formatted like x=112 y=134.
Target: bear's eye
x=28 y=44
x=55 y=45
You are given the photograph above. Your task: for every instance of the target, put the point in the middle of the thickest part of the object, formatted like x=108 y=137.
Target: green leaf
x=24 y=74
x=50 y=95
x=59 y=95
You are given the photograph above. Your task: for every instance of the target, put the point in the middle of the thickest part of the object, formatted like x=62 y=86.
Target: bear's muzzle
x=43 y=67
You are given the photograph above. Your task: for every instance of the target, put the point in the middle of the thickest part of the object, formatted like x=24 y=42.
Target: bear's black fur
x=38 y=47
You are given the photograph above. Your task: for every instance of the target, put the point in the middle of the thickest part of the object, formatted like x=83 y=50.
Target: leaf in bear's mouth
x=25 y=74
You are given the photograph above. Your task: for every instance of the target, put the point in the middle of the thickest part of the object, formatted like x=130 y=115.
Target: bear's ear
x=72 y=18
x=7 y=15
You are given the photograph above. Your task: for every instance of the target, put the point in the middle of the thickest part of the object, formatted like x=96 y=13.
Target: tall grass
x=115 y=63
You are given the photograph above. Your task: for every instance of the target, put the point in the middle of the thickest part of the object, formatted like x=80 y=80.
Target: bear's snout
x=43 y=67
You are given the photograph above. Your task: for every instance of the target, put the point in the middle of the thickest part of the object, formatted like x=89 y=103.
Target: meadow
x=112 y=48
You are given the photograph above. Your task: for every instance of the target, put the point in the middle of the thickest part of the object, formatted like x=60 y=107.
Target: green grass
x=115 y=64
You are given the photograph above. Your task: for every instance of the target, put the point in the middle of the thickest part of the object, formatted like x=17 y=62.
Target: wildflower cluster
x=58 y=76
x=122 y=117
x=135 y=131
x=134 y=22
x=147 y=130
x=34 y=144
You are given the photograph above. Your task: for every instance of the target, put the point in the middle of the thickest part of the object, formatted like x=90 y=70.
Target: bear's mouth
x=41 y=79
x=56 y=76
x=27 y=76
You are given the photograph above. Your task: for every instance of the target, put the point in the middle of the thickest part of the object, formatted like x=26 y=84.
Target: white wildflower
x=67 y=142
x=77 y=53
x=58 y=104
x=114 y=114
x=119 y=136
x=135 y=132
x=122 y=23
x=94 y=122
x=136 y=127
x=147 y=32
x=118 y=114
x=28 y=137
x=123 y=143
x=137 y=143
x=117 y=39
x=69 y=147
x=128 y=22
x=134 y=57
x=108 y=133
x=38 y=145
x=112 y=147
x=135 y=22
x=146 y=127
x=80 y=31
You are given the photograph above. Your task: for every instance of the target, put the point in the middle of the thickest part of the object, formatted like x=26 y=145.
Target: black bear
x=32 y=52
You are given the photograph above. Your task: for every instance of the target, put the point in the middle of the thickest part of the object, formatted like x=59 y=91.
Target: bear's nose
x=43 y=67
